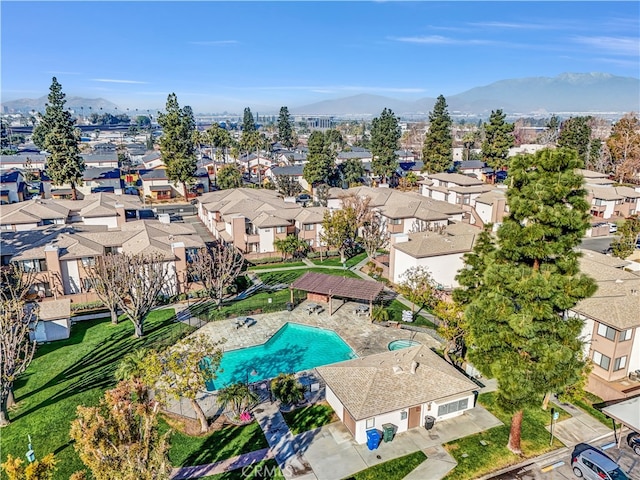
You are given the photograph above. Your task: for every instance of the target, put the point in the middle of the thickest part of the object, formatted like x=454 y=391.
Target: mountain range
x=568 y=93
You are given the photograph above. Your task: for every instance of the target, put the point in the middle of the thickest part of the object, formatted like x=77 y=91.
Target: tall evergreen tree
x=56 y=134
x=517 y=294
x=437 y=151
x=320 y=161
x=575 y=133
x=248 y=123
x=385 y=141
x=498 y=140
x=285 y=129
x=176 y=144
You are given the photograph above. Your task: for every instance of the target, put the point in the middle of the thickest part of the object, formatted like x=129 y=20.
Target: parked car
x=613 y=228
x=633 y=439
x=303 y=198
x=592 y=463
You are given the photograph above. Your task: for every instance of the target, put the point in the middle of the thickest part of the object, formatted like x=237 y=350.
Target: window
x=395 y=221
x=308 y=226
x=42 y=289
x=281 y=229
x=88 y=261
x=625 y=335
x=36 y=265
x=619 y=363
x=453 y=407
x=606 y=332
x=87 y=284
x=601 y=360
x=371 y=422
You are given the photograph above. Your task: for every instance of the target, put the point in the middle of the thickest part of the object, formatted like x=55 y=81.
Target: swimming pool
x=398 y=344
x=293 y=348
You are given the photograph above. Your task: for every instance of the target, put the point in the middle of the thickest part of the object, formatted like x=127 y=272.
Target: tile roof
x=383 y=383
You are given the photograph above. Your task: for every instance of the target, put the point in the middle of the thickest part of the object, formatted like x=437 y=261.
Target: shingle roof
x=456 y=178
x=338 y=286
x=383 y=383
x=456 y=238
x=54 y=309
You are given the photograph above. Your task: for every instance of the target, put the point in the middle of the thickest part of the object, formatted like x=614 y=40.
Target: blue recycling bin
x=373 y=439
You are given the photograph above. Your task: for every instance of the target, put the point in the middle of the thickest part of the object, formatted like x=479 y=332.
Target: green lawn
x=72 y=372
x=219 y=445
x=265 y=470
x=276 y=265
x=395 y=309
x=335 y=261
x=586 y=402
x=393 y=469
x=309 y=418
x=475 y=459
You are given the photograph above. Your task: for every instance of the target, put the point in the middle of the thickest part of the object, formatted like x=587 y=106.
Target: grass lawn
x=393 y=469
x=395 y=309
x=288 y=276
x=276 y=265
x=586 y=403
x=72 y=372
x=335 y=261
x=309 y=418
x=265 y=470
x=228 y=442
x=482 y=459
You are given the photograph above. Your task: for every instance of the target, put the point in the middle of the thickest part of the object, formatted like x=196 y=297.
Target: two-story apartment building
x=12 y=187
x=612 y=325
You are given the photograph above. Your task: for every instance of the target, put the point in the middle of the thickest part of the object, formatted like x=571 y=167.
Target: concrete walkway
x=240 y=461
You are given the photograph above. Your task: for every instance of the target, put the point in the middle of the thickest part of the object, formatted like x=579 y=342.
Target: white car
x=613 y=228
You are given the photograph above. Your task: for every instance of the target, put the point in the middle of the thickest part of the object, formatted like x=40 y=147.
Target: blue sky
x=220 y=56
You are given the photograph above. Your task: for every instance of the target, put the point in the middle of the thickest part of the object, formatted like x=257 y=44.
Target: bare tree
x=139 y=279
x=359 y=206
x=216 y=267
x=108 y=292
x=374 y=235
x=16 y=321
x=287 y=185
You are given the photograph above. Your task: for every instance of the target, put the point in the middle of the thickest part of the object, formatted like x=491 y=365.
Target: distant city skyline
x=219 y=56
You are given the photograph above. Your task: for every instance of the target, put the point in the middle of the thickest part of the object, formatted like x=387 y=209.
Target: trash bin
x=373 y=439
x=289 y=307
x=429 y=422
x=388 y=431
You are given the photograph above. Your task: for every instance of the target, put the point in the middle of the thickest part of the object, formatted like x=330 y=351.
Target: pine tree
x=285 y=130
x=320 y=161
x=498 y=140
x=576 y=133
x=437 y=152
x=248 y=123
x=176 y=144
x=385 y=141
x=56 y=134
x=517 y=295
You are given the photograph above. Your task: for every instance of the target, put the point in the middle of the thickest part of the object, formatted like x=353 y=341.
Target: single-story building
x=399 y=387
x=54 y=320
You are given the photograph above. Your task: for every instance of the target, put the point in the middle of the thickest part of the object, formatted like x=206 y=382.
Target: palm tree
x=237 y=397
x=132 y=368
x=379 y=314
x=286 y=388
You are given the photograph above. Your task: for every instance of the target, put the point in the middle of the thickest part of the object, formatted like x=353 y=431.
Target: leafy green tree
x=237 y=397
x=287 y=389
x=339 y=230
x=334 y=140
x=417 y=287
x=379 y=314
x=437 y=151
x=248 y=123
x=56 y=134
x=628 y=232
x=287 y=185
x=220 y=139
x=320 y=162
x=385 y=141
x=185 y=370
x=517 y=294
x=498 y=140
x=119 y=438
x=285 y=128
x=176 y=144
x=575 y=133
x=229 y=176
x=352 y=171
x=291 y=245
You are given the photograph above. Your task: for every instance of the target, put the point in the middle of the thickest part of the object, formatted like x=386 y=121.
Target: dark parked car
x=303 y=198
x=633 y=439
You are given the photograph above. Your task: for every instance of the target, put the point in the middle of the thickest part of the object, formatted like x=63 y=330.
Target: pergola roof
x=336 y=286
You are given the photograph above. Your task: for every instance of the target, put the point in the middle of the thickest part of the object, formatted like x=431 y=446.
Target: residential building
x=293 y=171
x=101 y=179
x=401 y=388
x=611 y=330
x=13 y=188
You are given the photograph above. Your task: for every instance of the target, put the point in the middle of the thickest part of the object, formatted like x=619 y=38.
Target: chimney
x=164 y=218
x=414 y=366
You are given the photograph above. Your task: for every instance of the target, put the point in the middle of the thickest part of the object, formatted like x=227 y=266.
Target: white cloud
x=114 y=80
x=612 y=45
x=515 y=25
x=440 y=40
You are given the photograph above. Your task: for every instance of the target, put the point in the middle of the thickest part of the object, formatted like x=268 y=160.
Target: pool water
x=293 y=348
x=398 y=344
